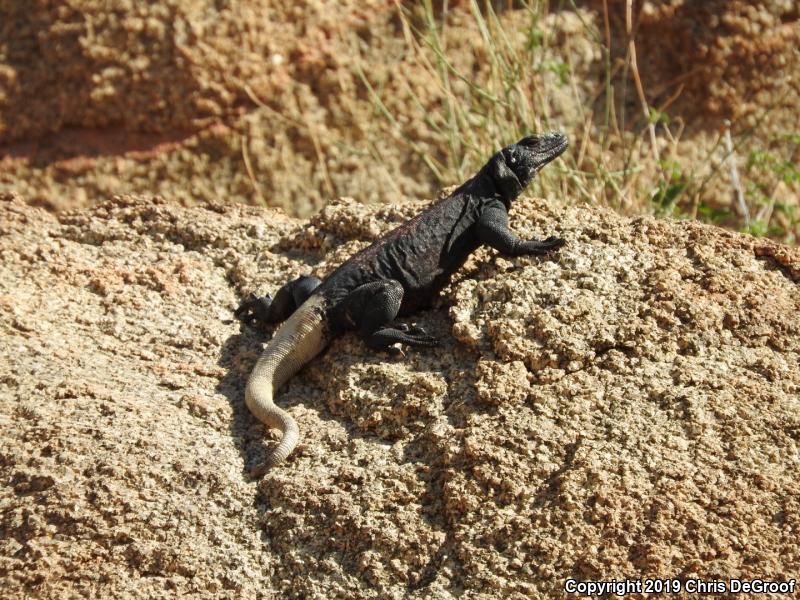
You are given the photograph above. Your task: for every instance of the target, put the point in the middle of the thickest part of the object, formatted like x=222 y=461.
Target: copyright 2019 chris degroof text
x=624 y=587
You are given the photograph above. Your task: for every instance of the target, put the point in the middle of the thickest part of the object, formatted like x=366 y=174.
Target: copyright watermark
x=623 y=587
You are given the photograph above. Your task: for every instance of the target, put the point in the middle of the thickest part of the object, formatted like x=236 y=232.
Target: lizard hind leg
x=266 y=309
x=373 y=308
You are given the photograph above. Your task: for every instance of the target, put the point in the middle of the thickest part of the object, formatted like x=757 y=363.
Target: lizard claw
x=554 y=242
x=396 y=352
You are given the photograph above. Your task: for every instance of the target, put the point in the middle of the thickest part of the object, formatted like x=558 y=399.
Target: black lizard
x=397 y=274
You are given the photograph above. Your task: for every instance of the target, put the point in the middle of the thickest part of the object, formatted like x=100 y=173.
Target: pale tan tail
x=299 y=339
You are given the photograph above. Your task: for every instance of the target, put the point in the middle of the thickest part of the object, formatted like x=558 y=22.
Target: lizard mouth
x=546 y=147
x=525 y=158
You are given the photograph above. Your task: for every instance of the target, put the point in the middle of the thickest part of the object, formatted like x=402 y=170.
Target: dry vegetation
x=294 y=105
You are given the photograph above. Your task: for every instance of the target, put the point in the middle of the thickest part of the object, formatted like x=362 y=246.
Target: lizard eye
x=513 y=159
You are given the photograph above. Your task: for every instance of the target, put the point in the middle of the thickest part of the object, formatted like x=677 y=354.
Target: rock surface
x=627 y=407
x=727 y=55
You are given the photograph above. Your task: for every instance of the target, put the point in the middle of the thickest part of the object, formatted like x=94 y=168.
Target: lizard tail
x=299 y=339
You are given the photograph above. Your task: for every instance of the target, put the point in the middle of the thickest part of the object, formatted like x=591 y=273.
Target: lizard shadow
x=328 y=395
x=237 y=356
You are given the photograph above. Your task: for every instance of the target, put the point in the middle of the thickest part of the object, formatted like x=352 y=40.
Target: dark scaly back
x=421 y=253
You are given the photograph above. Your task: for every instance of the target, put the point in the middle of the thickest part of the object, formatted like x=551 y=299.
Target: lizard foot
x=540 y=247
x=412 y=330
x=417 y=336
x=386 y=337
x=253 y=309
x=414 y=335
x=554 y=242
x=550 y=244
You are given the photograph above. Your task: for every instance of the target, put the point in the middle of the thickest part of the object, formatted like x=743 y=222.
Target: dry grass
x=529 y=83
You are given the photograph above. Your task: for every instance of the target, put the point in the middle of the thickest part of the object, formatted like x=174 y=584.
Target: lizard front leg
x=492 y=229
x=372 y=308
x=265 y=309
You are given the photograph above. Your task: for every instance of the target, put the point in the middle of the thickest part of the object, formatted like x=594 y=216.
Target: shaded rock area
x=627 y=407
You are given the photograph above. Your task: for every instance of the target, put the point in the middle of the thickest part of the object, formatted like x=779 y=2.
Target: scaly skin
x=397 y=274
x=296 y=342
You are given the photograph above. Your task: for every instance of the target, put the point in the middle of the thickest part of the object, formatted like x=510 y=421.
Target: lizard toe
x=421 y=339
x=396 y=352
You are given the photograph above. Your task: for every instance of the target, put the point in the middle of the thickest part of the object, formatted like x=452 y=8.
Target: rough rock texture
x=252 y=100
x=734 y=59
x=142 y=66
x=256 y=101
x=627 y=407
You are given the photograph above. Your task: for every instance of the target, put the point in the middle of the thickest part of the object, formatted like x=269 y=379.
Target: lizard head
x=514 y=166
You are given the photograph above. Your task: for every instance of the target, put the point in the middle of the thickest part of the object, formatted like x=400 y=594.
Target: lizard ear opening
x=505 y=179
